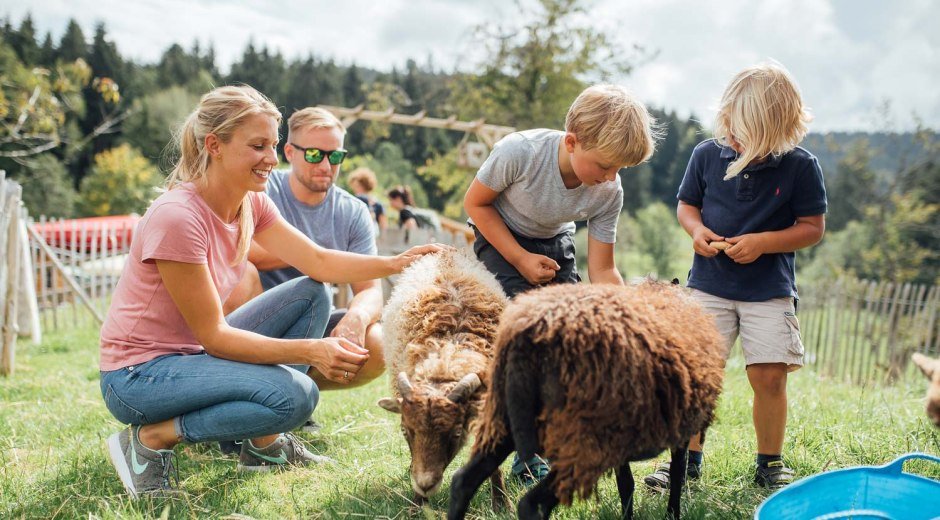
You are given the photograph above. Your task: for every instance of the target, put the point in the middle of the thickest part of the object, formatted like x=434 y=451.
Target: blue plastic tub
x=861 y=493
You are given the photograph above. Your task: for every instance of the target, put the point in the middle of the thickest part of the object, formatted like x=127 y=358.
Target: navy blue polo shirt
x=764 y=197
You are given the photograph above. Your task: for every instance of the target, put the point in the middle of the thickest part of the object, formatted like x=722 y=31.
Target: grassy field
x=53 y=462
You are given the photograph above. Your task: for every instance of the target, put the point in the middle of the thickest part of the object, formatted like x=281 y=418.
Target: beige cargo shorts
x=769 y=330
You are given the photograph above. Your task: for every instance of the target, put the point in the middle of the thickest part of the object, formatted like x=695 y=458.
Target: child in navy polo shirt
x=749 y=199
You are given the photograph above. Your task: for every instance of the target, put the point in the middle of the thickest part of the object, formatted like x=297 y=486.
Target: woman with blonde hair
x=176 y=370
x=750 y=198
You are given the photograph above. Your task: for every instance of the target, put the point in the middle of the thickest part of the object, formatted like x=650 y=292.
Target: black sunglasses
x=316 y=155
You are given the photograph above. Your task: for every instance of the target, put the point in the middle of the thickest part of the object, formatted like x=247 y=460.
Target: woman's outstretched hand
x=400 y=262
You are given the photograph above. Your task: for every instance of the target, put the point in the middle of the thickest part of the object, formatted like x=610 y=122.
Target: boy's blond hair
x=313 y=117
x=364 y=177
x=608 y=118
x=763 y=111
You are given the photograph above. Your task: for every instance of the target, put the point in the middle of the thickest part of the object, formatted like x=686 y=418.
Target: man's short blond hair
x=313 y=117
x=608 y=118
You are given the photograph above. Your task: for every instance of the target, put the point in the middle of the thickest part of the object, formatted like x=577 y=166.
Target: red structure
x=90 y=234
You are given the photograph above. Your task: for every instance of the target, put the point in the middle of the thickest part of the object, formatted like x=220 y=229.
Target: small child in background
x=749 y=199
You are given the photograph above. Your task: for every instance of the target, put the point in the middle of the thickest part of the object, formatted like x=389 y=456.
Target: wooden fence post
x=28 y=316
x=9 y=272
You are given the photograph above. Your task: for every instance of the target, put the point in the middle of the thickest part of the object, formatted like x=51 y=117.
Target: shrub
x=121 y=181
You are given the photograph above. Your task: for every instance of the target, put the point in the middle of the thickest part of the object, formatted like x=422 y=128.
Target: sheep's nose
x=426 y=483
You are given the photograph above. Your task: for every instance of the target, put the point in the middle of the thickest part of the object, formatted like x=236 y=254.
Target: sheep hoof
x=499 y=501
x=419 y=501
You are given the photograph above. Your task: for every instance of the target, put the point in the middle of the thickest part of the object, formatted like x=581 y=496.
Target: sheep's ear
x=390 y=404
x=675 y=281
x=927 y=366
x=465 y=388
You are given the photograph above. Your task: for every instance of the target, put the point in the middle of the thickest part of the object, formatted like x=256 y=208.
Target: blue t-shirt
x=340 y=222
x=764 y=197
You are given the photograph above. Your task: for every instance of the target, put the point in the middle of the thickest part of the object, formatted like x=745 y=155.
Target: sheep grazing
x=593 y=377
x=439 y=326
x=931 y=369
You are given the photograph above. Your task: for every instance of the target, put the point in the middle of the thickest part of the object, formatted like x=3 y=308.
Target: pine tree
x=73 y=45
x=104 y=59
x=208 y=62
x=301 y=85
x=176 y=67
x=353 y=95
x=415 y=142
x=263 y=70
x=47 y=53
x=24 y=42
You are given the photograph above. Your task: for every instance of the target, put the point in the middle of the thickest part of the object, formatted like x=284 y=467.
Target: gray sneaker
x=142 y=470
x=287 y=450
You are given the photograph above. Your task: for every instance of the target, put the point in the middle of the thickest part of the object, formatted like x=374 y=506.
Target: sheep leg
x=677 y=469
x=625 y=488
x=499 y=499
x=469 y=478
x=539 y=502
x=522 y=403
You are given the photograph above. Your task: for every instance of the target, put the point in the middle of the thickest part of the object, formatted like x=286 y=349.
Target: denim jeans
x=214 y=399
x=559 y=248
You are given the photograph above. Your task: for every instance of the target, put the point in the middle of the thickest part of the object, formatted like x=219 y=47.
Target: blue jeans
x=214 y=399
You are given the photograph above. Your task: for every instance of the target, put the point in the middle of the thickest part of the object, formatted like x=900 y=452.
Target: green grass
x=53 y=462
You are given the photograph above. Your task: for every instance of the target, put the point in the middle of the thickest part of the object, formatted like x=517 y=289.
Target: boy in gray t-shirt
x=535 y=184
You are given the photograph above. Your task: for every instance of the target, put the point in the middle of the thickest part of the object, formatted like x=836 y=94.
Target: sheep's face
x=436 y=429
x=931 y=369
x=435 y=425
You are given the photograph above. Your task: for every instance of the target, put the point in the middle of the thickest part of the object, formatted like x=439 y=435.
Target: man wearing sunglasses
x=331 y=217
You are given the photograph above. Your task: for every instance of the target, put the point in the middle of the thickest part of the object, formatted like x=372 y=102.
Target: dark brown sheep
x=440 y=325
x=593 y=377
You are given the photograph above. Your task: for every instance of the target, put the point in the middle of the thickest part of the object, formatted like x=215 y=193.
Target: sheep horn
x=404 y=386
x=465 y=388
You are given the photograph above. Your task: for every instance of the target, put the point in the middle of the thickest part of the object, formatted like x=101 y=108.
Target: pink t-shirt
x=143 y=322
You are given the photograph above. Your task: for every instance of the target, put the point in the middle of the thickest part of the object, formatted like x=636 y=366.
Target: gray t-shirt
x=340 y=222
x=533 y=199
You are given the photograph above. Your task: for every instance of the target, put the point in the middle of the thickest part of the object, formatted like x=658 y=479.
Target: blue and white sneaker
x=531 y=472
x=141 y=469
x=287 y=450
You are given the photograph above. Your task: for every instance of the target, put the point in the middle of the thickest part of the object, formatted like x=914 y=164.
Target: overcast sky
x=848 y=56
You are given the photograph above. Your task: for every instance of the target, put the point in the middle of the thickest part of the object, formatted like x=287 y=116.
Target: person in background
x=401 y=199
x=362 y=182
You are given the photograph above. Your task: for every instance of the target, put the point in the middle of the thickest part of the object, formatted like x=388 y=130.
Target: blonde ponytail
x=220 y=112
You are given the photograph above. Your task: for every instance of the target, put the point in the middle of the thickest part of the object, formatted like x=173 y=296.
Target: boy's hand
x=701 y=239
x=745 y=248
x=537 y=269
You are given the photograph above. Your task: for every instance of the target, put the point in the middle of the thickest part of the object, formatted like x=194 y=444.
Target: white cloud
x=848 y=56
